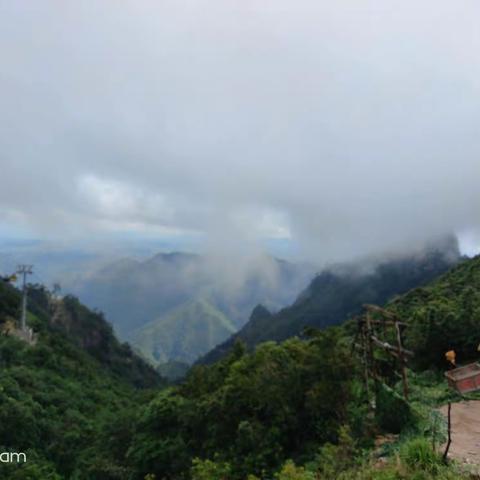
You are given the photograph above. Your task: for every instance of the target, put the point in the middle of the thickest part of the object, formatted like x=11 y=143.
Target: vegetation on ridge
x=290 y=411
x=56 y=396
x=337 y=294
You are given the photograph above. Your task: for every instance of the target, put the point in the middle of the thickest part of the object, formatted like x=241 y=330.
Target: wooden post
x=357 y=334
x=447 y=448
x=369 y=340
x=371 y=357
x=402 y=361
x=365 y=362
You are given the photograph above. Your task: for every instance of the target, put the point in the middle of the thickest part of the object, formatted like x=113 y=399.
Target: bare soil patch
x=465 y=445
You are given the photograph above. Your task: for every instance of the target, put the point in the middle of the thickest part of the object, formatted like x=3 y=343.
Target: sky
x=325 y=129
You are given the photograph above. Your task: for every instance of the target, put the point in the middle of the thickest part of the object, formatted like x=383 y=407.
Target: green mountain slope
x=184 y=333
x=444 y=315
x=89 y=331
x=338 y=294
x=57 y=395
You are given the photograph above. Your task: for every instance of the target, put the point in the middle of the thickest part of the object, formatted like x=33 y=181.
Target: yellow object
x=450 y=356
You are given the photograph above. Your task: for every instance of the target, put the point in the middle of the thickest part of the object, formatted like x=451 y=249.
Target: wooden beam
x=387 y=346
x=377 y=309
x=384 y=322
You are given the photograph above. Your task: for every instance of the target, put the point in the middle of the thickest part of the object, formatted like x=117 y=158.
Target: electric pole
x=24 y=270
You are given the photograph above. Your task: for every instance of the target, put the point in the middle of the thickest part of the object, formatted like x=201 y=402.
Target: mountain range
x=178 y=306
x=339 y=292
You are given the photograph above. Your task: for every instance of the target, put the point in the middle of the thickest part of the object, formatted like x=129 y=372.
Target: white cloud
x=346 y=127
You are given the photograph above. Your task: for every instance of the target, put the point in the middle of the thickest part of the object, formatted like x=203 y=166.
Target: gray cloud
x=346 y=127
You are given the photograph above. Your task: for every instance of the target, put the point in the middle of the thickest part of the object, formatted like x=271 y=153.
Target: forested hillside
x=339 y=293
x=444 y=315
x=58 y=395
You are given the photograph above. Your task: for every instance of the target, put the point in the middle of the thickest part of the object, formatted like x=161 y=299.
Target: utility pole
x=24 y=270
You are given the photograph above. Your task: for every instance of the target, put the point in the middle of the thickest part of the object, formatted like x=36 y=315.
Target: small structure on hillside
x=10 y=329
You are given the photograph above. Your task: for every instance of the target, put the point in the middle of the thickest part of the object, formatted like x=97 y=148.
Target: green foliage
x=397 y=471
x=89 y=330
x=57 y=396
x=208 y=470
x=250 y=411
x=173 y=371
x=444 y=315
x=36 y=468
x=9 y=302
x=290 y=471
x=332 y=459
x=418 y=454
x=392 y=412
x=159 y=445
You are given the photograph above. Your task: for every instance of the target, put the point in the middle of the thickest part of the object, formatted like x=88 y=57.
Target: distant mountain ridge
x=338 y=293
x=151 y=303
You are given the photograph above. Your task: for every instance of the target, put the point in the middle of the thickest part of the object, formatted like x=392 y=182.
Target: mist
x=326 y=131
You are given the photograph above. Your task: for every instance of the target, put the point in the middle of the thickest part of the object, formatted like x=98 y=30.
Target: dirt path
x=465 y=445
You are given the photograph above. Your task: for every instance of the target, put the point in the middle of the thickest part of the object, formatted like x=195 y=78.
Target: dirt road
x=465 y=445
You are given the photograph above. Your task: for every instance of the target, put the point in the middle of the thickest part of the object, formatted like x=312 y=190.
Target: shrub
x=210 y=470
x=290 y=471
x=393 y=413
x=418 y=454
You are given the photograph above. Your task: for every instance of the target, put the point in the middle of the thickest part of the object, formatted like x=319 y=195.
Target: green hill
x=57 y=395
x=184 y=333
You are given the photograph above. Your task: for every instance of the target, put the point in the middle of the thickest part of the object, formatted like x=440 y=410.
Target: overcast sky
x=341 y=128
